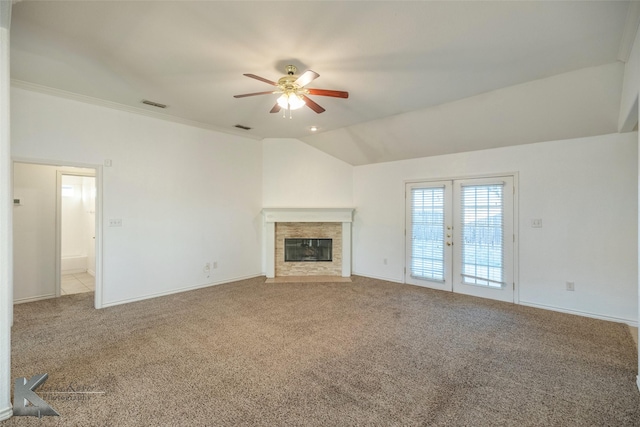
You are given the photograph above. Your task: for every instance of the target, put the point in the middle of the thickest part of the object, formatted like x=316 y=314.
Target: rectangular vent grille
x=154 y=104
x=243 y=127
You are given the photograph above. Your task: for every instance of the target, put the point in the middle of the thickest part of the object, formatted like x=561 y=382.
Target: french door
x=460 y=236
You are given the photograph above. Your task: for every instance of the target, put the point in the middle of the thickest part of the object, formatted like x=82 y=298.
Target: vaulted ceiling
x=424 y=77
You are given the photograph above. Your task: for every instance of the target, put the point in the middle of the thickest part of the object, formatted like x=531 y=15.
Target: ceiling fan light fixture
x=283 y=101
x=291 y=101
x=296 y=101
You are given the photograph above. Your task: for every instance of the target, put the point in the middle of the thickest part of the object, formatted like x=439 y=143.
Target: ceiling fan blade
x=307 y=77
x=244 y=95
x=325 y=92
x=311 y=104
x=262 y=79
x=275 y=109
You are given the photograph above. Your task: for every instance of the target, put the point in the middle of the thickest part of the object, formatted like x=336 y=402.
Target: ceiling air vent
x=243 y=127
x=154 y=104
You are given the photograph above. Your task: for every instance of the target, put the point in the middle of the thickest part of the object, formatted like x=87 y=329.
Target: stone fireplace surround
x=344 y=216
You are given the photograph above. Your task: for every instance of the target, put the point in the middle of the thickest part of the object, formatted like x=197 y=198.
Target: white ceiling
x=400 y=62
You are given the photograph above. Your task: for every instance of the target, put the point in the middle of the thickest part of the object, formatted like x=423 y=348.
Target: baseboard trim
x=386 y=279
x=6 y=413
x=629 y=322
x=177 y=291
x=33 y=299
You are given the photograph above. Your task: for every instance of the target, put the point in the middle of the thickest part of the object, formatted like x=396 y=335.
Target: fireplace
x=313 y=238
x=308 y=250
x=314 y=224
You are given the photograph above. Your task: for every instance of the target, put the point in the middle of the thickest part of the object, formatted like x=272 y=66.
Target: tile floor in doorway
x=77 y=283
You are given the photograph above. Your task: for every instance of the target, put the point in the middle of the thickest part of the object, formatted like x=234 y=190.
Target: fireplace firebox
x=308 y=250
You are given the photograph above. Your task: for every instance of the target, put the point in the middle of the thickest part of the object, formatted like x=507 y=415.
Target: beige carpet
x=323 y=354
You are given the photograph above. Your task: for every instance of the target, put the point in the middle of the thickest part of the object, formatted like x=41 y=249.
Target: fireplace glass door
x=308 y=250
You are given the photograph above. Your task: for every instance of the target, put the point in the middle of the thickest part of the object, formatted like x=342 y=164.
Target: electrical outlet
x=571 y=286
x=115 y=222
x=536 y=223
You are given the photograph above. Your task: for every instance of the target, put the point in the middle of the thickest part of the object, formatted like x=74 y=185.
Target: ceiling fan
x=293 y=91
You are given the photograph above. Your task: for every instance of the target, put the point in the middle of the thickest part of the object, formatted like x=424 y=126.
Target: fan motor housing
x=287 y=83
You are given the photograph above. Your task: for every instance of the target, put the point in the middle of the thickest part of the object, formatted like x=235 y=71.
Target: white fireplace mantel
x=274 y=215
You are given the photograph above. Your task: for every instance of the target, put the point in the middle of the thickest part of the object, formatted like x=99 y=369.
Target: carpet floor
x=367 y=352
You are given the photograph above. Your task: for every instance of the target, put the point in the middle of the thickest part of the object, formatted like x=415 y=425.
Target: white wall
x=186 y=196
x=584 y=190
x=34 y=228
x=296 y=175
x=300 y=176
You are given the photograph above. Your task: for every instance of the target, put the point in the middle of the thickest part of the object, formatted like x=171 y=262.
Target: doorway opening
x=40 y=257
x=77 y=224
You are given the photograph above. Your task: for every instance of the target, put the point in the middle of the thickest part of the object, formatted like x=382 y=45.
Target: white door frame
x=98 y=226
x=516 y=220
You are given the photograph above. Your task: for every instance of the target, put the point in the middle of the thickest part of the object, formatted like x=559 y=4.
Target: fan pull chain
x=284 y=112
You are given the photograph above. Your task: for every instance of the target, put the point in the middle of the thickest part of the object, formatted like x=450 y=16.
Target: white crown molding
x=629 y=32
x=21 y=84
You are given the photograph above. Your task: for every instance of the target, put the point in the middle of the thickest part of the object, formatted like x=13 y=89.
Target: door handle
x=449 y=243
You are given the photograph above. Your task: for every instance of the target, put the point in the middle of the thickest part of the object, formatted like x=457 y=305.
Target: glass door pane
x=483 y=258
x=482 y=237
x=429 y=235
